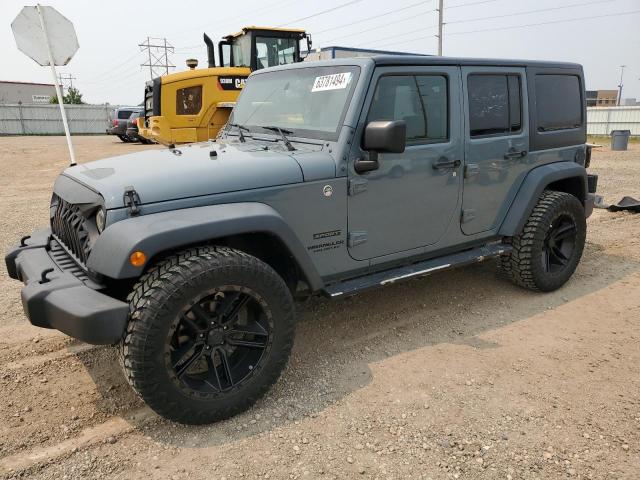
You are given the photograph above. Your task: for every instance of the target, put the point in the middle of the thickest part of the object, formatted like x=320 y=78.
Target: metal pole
x=620 y=84
x=72 y=154
x=440 y=23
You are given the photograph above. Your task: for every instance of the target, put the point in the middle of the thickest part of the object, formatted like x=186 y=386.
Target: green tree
x=73 y=96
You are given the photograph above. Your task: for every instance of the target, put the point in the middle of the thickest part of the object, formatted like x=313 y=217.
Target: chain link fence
x=18 y=119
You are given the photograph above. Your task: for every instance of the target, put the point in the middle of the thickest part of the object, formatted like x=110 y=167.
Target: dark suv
x=331 y=178
x=119 y=122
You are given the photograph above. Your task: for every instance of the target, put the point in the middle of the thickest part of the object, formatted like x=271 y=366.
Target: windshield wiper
x=240 y=129
x=282 y=132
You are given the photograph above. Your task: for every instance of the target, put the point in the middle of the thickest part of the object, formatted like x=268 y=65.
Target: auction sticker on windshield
x=337 y=81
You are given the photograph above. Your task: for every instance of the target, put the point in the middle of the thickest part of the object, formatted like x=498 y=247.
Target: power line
x=328 y=10
x=632 y=12
x=362 y=20
x=529 y=12
x=470 y=4
x=387 y=24
x=158 y=56
x=422 y=29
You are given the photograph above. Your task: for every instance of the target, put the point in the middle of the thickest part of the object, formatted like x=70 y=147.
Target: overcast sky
x=107 y=66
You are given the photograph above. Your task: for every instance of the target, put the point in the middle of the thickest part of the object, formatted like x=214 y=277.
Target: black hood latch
x=131 y=200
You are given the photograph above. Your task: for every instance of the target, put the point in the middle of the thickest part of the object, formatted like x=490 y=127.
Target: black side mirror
x=387 y=136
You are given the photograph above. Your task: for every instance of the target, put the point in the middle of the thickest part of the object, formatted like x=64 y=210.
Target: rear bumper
x=119 y=130
x=61 y=300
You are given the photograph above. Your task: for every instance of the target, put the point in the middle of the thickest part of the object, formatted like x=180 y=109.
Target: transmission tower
x=158 y=56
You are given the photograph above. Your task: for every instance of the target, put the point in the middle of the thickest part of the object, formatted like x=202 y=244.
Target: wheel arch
x=565 y=177
x=255 y=228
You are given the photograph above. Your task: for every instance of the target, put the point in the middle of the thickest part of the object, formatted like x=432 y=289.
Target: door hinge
x=467 y=215
x=131 y=200
x=356 y=238
x=357 y=185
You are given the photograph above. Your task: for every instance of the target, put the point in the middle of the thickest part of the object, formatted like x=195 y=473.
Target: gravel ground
x=458 y=375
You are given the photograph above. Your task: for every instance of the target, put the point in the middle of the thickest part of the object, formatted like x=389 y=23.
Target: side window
x=420 y=101
x=558 y=102
x=434 y=96
x=495 y=104
x=189 y=100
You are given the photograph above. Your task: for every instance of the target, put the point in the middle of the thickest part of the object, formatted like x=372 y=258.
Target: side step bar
x=426 y=267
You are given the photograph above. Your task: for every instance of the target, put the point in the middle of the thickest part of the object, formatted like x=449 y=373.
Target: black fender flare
x=536 y=181
x=159 y=232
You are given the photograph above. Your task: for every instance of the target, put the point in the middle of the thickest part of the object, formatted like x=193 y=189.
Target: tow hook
x=43 y=275
x=24 y=239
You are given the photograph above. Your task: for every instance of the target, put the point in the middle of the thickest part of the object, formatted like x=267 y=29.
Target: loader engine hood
x=187 y=171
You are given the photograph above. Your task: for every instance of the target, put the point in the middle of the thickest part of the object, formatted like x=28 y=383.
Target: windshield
x=310 y=102
x=272 y=51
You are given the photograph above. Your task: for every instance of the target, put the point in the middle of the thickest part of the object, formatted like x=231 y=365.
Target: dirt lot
x=459 y=375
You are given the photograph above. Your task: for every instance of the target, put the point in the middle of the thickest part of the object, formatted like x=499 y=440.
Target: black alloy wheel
x=559 y=244
x=218 y=342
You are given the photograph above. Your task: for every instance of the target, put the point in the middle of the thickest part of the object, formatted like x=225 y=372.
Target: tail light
x=115 y=122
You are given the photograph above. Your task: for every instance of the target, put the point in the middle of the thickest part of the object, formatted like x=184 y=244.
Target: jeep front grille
x=69 y=226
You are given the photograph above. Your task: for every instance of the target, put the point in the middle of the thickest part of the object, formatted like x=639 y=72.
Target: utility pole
x=440 y=24
x=66 y=81
x=620 y=84
x=158 y=61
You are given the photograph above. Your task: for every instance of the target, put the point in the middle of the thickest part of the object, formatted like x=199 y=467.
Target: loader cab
x=258 y=48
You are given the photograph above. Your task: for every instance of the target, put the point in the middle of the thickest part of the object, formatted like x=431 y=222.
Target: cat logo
x=231 y=82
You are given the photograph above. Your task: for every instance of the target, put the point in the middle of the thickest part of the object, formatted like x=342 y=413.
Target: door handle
x=445 y=164
x=513 y=153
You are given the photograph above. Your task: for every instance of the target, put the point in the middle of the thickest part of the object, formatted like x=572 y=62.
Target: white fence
x=601 y=120
x=17 y=119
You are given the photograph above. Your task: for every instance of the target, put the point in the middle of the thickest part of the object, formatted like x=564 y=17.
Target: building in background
x=26 y=92
x=602 y=98
x=630 y=102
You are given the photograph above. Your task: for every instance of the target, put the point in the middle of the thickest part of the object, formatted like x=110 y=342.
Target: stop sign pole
x=63 y=113
x=49 y=38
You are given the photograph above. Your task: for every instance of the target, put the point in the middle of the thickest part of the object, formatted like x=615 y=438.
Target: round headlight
x=101 y=219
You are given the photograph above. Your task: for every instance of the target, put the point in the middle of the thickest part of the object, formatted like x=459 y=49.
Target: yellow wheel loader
x=193 y=105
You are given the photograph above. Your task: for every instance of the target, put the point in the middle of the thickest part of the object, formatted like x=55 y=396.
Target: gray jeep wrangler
x=330 y=178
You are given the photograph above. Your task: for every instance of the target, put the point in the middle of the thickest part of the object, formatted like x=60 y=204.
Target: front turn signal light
x=137 y=258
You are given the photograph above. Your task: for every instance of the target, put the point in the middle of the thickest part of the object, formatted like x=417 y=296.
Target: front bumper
x=61 y=299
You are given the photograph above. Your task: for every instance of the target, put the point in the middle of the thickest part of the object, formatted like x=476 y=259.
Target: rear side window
x=189 y=100
x=558 y=102
x=421 y=101
x=495 y=104
x=124 y=114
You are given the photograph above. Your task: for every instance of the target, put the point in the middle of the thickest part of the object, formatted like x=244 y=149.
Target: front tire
x=548 y=250
x=210 y=330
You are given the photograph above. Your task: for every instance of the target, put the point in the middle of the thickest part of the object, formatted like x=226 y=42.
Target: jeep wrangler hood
x=161 y=175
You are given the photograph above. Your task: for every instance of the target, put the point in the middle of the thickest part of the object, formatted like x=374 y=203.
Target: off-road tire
x=154 y=303
x=525 y=265
x=124 y=138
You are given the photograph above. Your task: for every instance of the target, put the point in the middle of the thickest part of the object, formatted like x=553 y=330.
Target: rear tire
x=124 y=138
x=210 y=330
x=548 y=250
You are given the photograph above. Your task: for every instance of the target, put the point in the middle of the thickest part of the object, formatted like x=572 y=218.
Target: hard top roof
x=421 y=60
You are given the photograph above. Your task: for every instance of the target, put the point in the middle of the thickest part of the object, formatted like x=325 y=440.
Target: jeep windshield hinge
x=356 y=238
x=357 y=185
x=131 y=200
